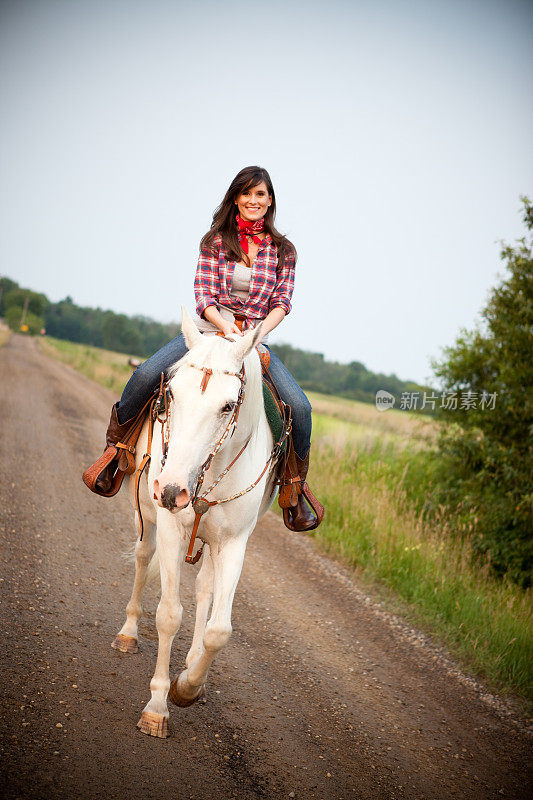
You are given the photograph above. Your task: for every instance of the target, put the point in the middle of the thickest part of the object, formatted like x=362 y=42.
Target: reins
x=160 y=409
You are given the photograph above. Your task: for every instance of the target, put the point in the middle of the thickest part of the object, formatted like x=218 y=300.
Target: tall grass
x=373 y=471
x=105 y=367
x=373 y=525
x=404 y=427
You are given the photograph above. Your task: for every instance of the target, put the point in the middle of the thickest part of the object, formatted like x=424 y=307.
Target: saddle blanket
x=273 y=414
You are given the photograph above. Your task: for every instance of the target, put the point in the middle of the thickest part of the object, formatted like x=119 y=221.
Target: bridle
x=161 y=409
x=163 y=412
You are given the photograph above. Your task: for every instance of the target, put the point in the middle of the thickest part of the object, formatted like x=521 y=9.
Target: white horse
x=202 y=406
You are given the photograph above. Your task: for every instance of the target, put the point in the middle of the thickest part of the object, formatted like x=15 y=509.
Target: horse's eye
x=228 y=407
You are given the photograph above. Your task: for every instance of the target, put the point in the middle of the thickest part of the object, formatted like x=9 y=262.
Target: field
x=372 y=471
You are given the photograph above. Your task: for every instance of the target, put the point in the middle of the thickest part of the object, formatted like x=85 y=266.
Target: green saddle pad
x=274 y=417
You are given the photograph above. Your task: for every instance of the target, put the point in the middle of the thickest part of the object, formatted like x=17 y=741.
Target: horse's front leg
x=126 y=640
x=204 y=595
x=227 y=563
x=171 y=550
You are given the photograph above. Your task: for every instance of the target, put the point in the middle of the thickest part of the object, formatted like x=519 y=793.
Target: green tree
x=6 y=284
x=14 y=317
x=119 y=333
x=488 y=449
x=36 y=302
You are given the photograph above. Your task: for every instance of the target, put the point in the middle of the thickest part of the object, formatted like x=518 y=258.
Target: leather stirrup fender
x=290 y=484
x=122 y=453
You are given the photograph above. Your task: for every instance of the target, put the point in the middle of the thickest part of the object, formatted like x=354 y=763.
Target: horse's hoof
x=126 y=644
x=153 y=724
x=178 y=699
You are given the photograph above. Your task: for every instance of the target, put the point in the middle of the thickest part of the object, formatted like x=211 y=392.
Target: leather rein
x=161 y=409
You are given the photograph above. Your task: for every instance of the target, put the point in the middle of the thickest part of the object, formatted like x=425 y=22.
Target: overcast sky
x=398 y=136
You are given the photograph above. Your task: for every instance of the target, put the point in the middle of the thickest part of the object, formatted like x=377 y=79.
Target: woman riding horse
x=245 y=275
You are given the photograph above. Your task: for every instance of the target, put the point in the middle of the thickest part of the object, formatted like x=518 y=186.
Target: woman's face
x=253 y=202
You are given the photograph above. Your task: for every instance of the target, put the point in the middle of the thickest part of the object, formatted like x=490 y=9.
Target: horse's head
x=201 y=406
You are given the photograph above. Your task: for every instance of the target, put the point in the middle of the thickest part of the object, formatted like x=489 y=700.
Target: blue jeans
x=146 y=377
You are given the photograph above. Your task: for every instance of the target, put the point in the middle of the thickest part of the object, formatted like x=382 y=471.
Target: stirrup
x=314 y=504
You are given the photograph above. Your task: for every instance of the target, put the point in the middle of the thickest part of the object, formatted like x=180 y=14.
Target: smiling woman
x=244 y=278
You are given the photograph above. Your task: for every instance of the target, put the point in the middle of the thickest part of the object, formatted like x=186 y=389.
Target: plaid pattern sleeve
x=206 y=281
x=282 y=294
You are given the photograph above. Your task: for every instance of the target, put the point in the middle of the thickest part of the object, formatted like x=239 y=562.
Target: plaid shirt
x=270 y=285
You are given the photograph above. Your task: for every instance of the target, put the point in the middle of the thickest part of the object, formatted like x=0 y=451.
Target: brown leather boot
x=101 y=484
x=301 y=516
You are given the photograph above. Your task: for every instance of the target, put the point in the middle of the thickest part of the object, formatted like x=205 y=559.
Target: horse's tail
x=152 y=571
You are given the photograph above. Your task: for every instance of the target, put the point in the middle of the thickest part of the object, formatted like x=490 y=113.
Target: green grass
x=373 y=471
x=403 y=427
x=105 y=367
x=424 y=569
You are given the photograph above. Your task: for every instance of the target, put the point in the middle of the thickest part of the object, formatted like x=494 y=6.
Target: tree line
x=94 y=326
x=353 y=381
x=142 y=336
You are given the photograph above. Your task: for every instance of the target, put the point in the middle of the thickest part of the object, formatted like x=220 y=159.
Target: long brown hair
x=224 y=218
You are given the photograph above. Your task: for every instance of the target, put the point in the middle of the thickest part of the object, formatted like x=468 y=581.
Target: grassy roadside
x=5 y=333
x=372 y=471
x=423 y=569
x=105 y=367
x=398 y=425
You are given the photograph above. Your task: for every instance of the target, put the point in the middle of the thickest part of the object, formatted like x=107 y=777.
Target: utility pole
x=24 y=311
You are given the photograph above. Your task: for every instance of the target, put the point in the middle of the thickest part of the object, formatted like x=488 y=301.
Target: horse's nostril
x=182 y=498
x=173 y=497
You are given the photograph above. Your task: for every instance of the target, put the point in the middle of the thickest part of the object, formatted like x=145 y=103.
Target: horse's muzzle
x=172 y=497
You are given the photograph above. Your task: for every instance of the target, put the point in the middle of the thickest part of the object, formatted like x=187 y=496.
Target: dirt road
x=319 y=694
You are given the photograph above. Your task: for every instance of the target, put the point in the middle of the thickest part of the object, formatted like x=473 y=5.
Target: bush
x=488 y=452
x=17 y=297
x=13 y=317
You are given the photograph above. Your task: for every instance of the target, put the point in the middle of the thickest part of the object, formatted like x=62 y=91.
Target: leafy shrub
x=487 y=453
x=13 y=317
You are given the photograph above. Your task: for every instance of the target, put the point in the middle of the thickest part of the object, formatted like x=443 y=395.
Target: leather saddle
x=278 y=413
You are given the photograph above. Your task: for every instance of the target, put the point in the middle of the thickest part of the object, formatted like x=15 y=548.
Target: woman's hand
x=230 y=327
x=212 y=314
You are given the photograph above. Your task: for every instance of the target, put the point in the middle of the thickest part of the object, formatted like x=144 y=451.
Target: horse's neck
x=250 y=411
x=249 y=419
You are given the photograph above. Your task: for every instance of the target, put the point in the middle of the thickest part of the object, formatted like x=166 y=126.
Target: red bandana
x=247 y=228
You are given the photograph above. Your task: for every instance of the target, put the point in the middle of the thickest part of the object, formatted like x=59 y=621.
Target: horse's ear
x=246 y=343
x=190 y=331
